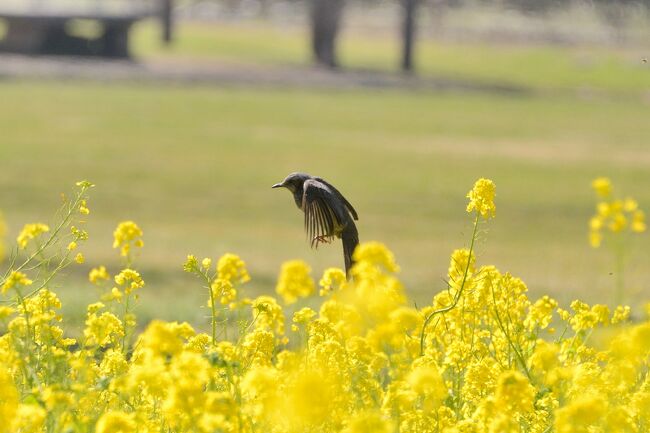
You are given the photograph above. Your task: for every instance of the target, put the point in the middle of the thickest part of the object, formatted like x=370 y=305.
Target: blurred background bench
x=77 y=27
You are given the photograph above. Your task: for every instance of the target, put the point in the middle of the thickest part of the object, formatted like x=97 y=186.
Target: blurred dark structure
x=408 y=33
x=614 y=12
x=326 y=16
x=325 y=19
x=78 y=27
x=167 y=15
x=325 y=24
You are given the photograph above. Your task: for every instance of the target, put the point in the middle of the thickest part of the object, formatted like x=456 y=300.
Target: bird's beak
x=278 y=185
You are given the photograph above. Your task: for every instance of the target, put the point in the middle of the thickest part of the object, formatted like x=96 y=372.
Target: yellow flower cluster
x=129 y=280
x=333 y=279
x=222 y=285
x=231 y=268
x=98 y=274
x=294 y=281
x=127 y=235
x=613 y=215
x=481 y=198
x=15 y=278
x=30 y=232
x=481 y=357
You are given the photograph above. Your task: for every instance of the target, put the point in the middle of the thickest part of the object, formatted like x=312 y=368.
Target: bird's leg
x=318 y=239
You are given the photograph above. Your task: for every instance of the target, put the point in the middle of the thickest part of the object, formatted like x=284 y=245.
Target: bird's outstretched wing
x=340 y=197
x=321 y=219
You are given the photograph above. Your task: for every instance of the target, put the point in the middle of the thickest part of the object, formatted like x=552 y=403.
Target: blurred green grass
x=541 y=67
x=194 y=165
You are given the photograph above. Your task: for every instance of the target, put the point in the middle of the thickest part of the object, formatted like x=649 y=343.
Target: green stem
x=214 y=316
x=619 y=269
x=126 y=312
x=62 y=264
x=458 y=294
x=518 y=355
x=29 y=340
x=52 y=238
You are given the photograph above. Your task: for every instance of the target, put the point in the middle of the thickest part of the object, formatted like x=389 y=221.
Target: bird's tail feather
x=350 y=238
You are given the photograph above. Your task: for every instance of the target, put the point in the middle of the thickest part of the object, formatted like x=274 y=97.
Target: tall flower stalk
x=220 y=283
x=614 y=222
x=481 y=203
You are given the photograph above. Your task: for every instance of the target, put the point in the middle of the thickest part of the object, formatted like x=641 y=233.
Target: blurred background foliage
x=540 y=96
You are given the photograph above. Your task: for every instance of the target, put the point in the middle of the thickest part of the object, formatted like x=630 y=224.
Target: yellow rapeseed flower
x=427 y=381
x=613 y=215
x=361 y=363
x=14 y=279
x=166 y=339
x=580 y=415
x=223 y=290
x=126 y=235
x=294 y=281
x=638 y=221
x=84 y=184
x=29 y=232
x=98 y=274
x=481 y=198
x=333 y=279
x=302 y=317
x=514 y=392
x=621 y=314
x=310 y=398
x=369 y=422
x=545 y=357
x=116 y=422
x=602 y=186
x=585 y=317
x=268 y=314
x=103 y=330
x=129 y=279
x=260 y=384
x=375 y=254
x=8 y=400
x=30 y=418
x=79 y=258
x=540 y=313
x=6 y=312
x=232 y=268
x=191 y=264
x=595 y=238
x=83 y=208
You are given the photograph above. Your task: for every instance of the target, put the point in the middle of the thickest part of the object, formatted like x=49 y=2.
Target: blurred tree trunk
x=614 y=14
x=166 y=16
x=408 y=33
x=265 y=9
x=325 y=23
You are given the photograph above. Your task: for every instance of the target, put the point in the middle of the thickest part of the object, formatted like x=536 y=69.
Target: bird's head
x=293 y=182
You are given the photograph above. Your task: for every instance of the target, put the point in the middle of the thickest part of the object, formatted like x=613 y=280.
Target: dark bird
x=327 y=213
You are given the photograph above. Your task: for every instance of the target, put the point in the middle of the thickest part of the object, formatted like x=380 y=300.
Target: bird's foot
x=320 y=239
